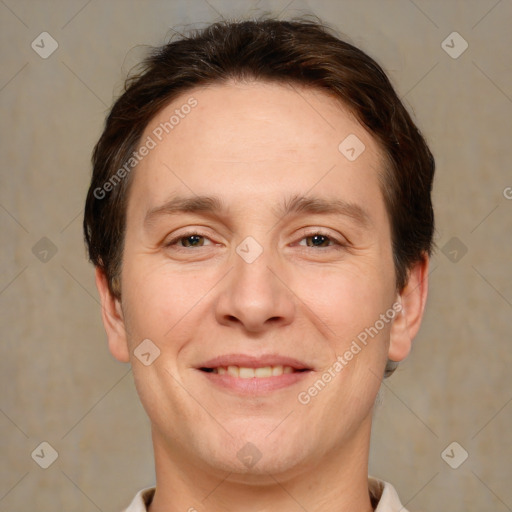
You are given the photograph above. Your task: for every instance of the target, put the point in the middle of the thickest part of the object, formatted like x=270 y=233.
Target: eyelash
x=306 y=235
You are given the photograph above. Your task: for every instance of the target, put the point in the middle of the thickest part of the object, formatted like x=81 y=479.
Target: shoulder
x=384 y=496
x=141 y=501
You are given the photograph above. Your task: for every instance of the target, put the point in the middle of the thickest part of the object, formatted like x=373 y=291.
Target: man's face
x=252 y=285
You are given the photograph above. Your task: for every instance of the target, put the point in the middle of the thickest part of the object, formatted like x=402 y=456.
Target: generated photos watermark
x=361 y=341
x=157 y=135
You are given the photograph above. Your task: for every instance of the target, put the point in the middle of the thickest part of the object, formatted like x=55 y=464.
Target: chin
x=270 y=466
x=257 y=453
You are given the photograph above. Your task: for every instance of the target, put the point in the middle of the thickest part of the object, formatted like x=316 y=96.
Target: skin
x=253 y=145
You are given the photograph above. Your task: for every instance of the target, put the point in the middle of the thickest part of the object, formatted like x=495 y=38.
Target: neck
x=337 y=481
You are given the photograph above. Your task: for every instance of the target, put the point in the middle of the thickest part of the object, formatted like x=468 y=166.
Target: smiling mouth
x=244 y=372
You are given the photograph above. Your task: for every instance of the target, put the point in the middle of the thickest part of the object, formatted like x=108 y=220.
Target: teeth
x=233 y=371
x=246 y=373
x=277 y=370
x=266 y=371
x=249 y=373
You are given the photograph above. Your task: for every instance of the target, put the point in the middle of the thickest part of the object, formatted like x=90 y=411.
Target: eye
x=195 y=239
x=188 y=240
x=320 y=239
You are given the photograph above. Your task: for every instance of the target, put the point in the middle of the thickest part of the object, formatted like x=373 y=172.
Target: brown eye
x=189 y=240
x=318 y=240
x=192 y=241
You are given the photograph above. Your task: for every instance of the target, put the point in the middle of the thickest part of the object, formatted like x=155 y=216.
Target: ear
x=113 y=319
x=407 y=322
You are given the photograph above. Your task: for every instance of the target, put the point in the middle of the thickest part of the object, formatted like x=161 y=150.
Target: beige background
x=60 y=384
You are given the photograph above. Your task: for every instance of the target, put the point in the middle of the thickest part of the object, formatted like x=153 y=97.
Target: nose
x=255 y=296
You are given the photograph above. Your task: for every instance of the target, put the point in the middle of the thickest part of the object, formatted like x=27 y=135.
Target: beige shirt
x=382 y=493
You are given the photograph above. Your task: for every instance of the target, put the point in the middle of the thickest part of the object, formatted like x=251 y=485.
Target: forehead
x=255 y=140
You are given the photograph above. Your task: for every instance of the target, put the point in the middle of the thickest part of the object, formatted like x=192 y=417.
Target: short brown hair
x=299 y=51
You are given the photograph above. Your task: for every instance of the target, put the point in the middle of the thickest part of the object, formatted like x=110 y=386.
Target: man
x=261 y=223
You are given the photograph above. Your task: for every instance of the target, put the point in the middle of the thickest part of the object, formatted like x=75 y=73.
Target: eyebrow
x=296 y=204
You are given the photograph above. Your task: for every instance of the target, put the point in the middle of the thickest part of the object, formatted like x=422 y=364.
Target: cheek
x=156 y=297
x=346 y=300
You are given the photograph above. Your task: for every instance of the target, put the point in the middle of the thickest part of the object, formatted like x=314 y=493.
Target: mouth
x=249 y=375
x=245 y=372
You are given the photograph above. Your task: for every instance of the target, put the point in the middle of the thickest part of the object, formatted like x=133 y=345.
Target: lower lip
x=255 y=385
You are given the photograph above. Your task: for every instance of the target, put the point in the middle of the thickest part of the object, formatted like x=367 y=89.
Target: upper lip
x=249 y=361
